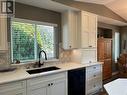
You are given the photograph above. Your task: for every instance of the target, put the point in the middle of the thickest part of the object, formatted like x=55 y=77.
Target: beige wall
x=38 y=14
x=94 y=8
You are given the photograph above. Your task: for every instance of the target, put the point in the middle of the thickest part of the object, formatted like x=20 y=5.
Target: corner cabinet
x=69 y=30
x=88 y=29
x=3 y=33
x=48 y=85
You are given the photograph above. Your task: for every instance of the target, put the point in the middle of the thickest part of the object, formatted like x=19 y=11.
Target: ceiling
x=117 y=6
x=97 y=1
x=47 y=4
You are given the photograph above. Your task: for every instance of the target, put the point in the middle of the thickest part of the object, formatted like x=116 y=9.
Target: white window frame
x=31 y=22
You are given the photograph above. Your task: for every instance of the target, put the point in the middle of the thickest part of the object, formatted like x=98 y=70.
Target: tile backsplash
x=64 y=56
x=4 y=57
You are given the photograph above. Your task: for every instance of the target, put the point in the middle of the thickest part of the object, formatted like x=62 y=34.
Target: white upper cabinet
x=79 y=30
x=69 y=30
x=3 y=33
x=87 y=25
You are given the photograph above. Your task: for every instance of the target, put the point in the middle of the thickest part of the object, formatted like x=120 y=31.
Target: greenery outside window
x=29 y=37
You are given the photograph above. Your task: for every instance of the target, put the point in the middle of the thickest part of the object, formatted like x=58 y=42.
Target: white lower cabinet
x=53 y=84
x=93 y=79
x=48 y=85
x=14 y=88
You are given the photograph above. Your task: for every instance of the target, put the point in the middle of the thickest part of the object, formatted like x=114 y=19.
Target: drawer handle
x=94 y=67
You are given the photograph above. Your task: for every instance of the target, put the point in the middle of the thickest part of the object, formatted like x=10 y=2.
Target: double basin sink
x=41 y=70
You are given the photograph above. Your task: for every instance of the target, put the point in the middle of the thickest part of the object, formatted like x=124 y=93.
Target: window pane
x=45 y=40
x=23 y=41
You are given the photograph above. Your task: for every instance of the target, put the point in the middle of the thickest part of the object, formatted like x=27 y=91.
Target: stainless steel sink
x=40 y=70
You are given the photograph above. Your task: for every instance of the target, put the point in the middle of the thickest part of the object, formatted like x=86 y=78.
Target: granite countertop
x=21 y=74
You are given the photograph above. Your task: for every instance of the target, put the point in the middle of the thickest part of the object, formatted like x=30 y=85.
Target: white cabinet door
x=92 y=40
x=84 y=39
x=69 y=30
x=88 y=55
x=88 y=30
x=3 y=33
x=92 y=23
x=58 y=87
x=85 y=22
x=37 y=89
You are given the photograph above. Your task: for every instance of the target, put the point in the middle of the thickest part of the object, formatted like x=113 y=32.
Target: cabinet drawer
x=93 y=86
x=94 y=68
x=92 y=75
x=19 y=85
x=42 y=79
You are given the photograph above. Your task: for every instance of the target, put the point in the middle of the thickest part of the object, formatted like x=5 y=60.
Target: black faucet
x=39 y=63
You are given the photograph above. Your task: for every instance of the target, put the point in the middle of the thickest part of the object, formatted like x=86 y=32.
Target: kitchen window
x=29 y=37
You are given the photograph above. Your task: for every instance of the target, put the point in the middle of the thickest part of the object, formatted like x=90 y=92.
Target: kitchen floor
x=109 y=80
x=106 y=81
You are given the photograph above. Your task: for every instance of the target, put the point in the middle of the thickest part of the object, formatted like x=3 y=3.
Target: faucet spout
x=39 y=64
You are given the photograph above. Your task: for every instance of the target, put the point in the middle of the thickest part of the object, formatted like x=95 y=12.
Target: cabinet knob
x=48 y=84
x=94 y=75
x=51 y=83
x=90 y=46
x=70 y=46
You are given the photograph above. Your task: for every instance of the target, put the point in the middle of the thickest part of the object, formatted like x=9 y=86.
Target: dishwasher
x=76 y=81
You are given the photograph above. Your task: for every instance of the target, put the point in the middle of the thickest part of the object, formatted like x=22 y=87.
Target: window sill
x=32 y=62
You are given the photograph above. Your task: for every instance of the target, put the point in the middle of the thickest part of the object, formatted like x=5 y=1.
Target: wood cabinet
x=93 y=79
x=105 y=55
x=49 y=85
x=69 y=30
x=14 y=88
x=3 y=33
x=88 y=28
